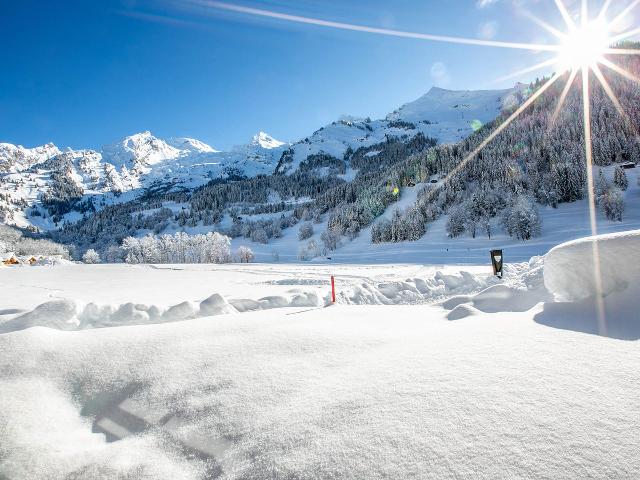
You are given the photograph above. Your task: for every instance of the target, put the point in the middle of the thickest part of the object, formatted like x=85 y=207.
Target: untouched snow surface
x=482 y=384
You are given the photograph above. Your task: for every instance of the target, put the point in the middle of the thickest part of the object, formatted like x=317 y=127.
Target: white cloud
x=488 y=30
x=440 y=74
x=485 y=3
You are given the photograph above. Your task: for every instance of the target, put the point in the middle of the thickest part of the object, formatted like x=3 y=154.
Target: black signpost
x=497 y=261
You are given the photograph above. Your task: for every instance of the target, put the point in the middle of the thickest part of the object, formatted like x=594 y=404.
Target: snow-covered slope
x=566 y=222
x=445 y=115
x=139 y=152
x=190 y=144
x=450 y=116
x=264 y=140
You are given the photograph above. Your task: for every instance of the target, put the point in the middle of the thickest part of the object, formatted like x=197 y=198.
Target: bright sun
x=584 y=46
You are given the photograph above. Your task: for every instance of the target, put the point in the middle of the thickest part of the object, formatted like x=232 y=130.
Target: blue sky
x=86 y=73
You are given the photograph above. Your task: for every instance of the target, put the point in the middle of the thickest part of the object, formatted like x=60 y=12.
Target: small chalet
x=9 y=259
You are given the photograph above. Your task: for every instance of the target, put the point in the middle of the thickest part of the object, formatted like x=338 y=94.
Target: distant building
x=9 y=259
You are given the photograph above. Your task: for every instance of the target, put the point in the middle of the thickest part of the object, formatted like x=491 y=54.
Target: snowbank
x=569 y=268
x=521 y=290
x=608 y=308
x=414 y=290
x=67 y=314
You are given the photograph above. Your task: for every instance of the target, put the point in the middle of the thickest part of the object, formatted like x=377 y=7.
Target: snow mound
x=181 y=311
x=215 y=305
x=415 y=290
x=569 y=267
x=58 y=314
x=68 y=315
x=522 y=289
x=296 y=298
x=462 y=311
x=504 y=298
x=607 y=308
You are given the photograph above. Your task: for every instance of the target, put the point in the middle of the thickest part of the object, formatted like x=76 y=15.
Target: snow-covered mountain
x=31 y=177
x=190 y=144
x=445 y=115
x=140 y=152
x=15 y=158
x=28 y=177
x=264 y=140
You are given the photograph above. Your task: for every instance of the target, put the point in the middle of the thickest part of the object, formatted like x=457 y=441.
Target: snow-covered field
x=172 y=372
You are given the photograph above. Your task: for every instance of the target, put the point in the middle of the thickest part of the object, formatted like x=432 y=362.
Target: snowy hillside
x=445 y=115
x=450 y=116
x=566 y=222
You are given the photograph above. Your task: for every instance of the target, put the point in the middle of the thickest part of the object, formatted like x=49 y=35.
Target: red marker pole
x=333 y=290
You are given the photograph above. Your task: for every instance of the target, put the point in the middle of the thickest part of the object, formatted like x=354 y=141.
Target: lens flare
x=581 y=50
x=584 y=46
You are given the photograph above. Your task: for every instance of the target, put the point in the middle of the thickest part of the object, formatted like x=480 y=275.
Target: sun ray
x=563 y=97
x=619 y=70
x=586 y=107
x=610 y=93
x=533 y=68
x=624 y=13
x=586 y=110
x=603 y=10
x=584 y=16
x=625 y=35
x=621 y=51
x=374 y=30
x=554 y=31
x=500 y=129
x=565 y=15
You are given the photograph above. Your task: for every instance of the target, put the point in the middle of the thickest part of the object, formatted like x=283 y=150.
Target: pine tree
x=620 y=178
x=613 y=204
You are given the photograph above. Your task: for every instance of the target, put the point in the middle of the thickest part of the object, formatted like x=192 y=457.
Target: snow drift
x=569 y=270
x=606 y=305
x=67 y=314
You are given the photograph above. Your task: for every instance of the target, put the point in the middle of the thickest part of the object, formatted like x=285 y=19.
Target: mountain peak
x=190 y=145
x=264 y=140
x=140 y=148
